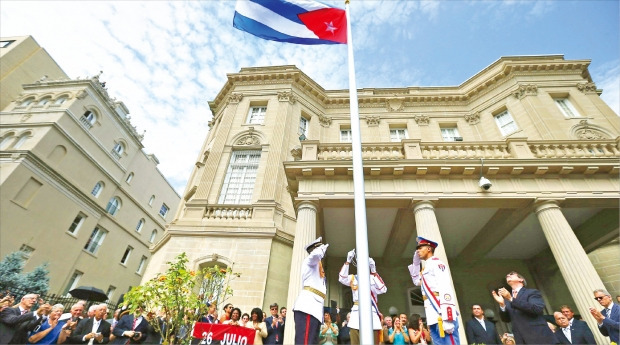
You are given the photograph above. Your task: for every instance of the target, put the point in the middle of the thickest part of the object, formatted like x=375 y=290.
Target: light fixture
x=484 y=182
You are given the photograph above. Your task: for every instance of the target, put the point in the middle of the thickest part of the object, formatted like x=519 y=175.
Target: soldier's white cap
x=310 y=247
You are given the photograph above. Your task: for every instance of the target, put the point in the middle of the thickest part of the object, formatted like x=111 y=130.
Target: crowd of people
x=523 y=307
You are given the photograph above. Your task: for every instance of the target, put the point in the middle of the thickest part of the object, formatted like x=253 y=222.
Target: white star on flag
x=330 y=27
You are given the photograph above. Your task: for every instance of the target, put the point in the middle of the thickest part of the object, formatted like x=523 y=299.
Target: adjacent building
x=77 y=189
x=275 y=172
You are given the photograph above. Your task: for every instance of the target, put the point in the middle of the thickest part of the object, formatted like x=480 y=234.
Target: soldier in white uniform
x=441 y=312
x=377 y=287
x=308 y=308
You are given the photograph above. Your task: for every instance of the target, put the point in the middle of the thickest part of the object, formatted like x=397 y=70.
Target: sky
x=167 y=59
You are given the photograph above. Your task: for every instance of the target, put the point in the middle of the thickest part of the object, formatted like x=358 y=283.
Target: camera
x=484 y=183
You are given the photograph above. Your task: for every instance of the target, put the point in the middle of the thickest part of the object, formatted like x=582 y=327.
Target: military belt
x=315 y=291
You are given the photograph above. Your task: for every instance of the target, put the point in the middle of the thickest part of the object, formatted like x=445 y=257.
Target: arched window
x=22 y=139
x=151 y=200
x=129 y=178
x=118 y=150
x=44 y=101
x=113 y=206
x=7 y=139
x=153 y=235
x=97 y=189
x=27 y=102
x=140 y=225
x=60 y=100
x=88 y=119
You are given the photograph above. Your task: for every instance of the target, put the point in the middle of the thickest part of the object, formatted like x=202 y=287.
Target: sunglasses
x=599 y=298
x=274 y=308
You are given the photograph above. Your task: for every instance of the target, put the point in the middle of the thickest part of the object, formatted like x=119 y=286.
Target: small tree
x=12 y=278
x=180 y=297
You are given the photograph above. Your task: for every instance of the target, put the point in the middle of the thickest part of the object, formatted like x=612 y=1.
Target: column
x=305 y=232
x=427 y=227
x=575 y=266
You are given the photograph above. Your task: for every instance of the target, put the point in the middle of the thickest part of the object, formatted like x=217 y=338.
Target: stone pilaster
x=305 y=232
x=575 y=266
x=427 y=227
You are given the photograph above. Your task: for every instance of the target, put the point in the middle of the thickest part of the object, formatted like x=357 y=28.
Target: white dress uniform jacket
x=437 y=279
x=377 y=287
x=307 y=301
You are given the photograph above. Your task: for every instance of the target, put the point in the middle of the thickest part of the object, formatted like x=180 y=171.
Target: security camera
x=484 y=183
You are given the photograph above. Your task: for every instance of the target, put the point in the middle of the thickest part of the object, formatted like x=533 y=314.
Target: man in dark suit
x=94 y=330
x=608 y=319
x=132 y=328
x=15 y=323
x=275 y=326
x=479 y=330
x=524 y=308
x=575 y=333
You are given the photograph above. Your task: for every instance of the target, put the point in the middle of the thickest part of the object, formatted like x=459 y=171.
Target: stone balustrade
x=572 y=149
x=379 y=151
x=228 y=212
x=465 y=150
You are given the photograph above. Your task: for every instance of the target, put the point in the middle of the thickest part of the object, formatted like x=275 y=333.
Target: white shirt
x=567 y=333
x=482 y=323
x=94 y=330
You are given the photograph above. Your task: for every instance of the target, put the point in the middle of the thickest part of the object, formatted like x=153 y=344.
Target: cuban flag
x=293 y=21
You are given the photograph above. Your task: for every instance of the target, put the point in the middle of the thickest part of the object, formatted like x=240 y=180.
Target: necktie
x=607 y=312
x=567 y=334
x=24 y=311
x=514 y=294
x=135 y=322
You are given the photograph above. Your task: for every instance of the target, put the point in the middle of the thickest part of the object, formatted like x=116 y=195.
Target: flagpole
x=361 y=233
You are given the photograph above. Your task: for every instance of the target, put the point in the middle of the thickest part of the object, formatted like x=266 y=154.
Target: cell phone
x=137 y=334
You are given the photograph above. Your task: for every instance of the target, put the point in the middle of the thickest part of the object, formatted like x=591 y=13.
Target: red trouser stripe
x=452 y=339
x=308 y=329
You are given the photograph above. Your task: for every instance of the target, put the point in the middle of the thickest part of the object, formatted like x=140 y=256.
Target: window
x=126 y=255
x=303 y=126
x=398 y=134
x=6 y=140
x=151 y=200
x=257 y=115
x=140 y=225
x=345 y=136
x=73 y=282
x=141 y=265
x=27 y=102
x=77 y=223
x=113 y=206
x=22 y=139
x=566 y=107
x=240 y=177
x=97 y=189
x=153 y=235
x=110 y=292
x=129 y=178
x=88 y=119
x=450 y=134
x=44 y=101
x=4 y=44
x=26 y=251
x=118 y=150
x=95 y=240
x=60 y=100
x=506 y=123
x=163 y=211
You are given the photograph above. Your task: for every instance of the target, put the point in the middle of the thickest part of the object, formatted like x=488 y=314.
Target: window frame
x=141 y=265
x=140 y=225
x=242 y=167
x=95 y=241
x=97 y=191
x=73 y=282
x=126 y=255
x=344 y=132
x=450 y=137
x=303 y=126
x=153 y=236
x=112 y=209
x=396 y=138
x=257 y=118
x=79 y=224
x=567 y=108
x=129 y=177
x=501 y=126
x=167 y=209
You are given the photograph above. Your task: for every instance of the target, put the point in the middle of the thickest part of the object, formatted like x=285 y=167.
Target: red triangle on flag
x=327 y=23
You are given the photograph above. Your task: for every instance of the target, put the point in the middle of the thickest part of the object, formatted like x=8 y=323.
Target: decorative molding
x=473 y=118
x=80 y=94
x=325 y=121
x=526 y=90
x=373 y=121
x=587 y=87
x=296 y=152
x=25 y=117
x=287 y=96
x=235 y=98
x=422 y=120
x=395 y=104
x=249 y=139
x=586 y=131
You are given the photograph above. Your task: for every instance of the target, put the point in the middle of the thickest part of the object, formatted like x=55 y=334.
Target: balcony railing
x=86 y=122
x=461 y=150
x=571 y=149
x=343 y=151
x=228 y=212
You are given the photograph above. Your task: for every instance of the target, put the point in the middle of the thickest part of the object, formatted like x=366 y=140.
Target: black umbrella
x=89 y=293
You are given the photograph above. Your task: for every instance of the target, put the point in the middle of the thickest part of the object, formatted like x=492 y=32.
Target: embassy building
x=275 y=172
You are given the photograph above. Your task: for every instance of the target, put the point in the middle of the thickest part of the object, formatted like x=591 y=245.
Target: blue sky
x=166 y=59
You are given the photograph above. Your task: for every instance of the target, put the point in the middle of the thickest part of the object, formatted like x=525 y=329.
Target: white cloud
x=607 y=77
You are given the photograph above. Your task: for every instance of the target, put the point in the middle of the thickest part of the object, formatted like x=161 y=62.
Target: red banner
x=237 y=335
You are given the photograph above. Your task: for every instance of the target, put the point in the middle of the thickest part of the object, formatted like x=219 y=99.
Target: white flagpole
x=361 y=234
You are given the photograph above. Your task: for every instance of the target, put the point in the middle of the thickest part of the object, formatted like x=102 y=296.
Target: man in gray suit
x=479 y=330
